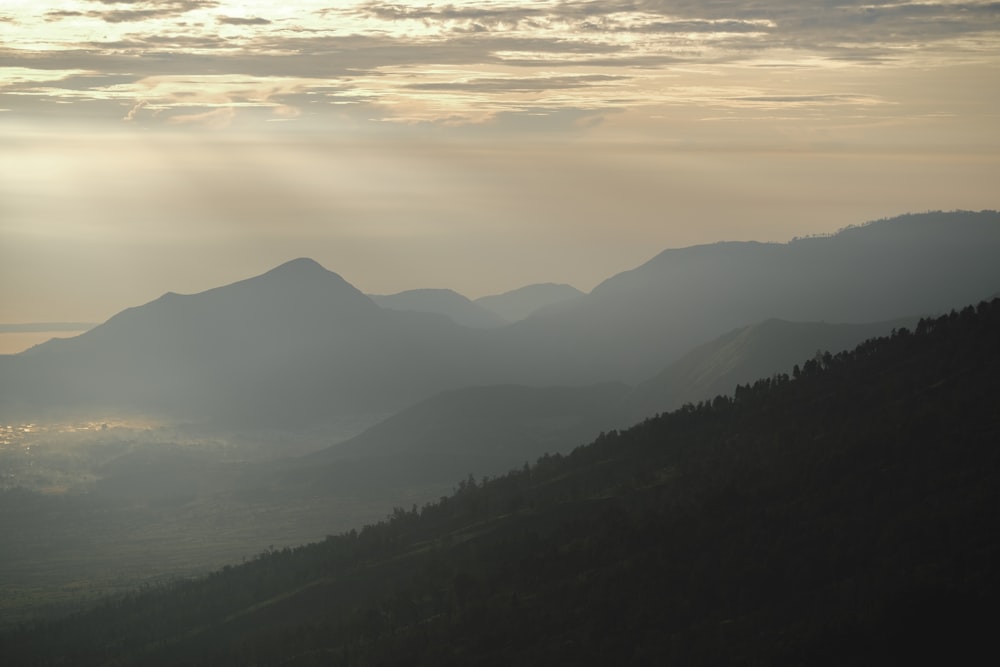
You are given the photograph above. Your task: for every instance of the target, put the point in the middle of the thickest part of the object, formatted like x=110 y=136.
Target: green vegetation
x=845 y=514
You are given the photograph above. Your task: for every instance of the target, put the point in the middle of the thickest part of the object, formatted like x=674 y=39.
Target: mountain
x=522 y=302
x=846 y=516
x=743 y=355
x=442 y=302
x=646 y=318
x=288 y=346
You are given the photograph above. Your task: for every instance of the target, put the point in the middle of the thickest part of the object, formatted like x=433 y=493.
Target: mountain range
x=299 y=343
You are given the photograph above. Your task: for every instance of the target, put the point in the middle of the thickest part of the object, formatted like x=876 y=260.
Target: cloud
x=147 y=9
x=519 y=84
x=236 y=20
x=799 y=101
x=130 y=116
x=59 y=15
x=172 y=5
x=511 y=14
x=397 y=55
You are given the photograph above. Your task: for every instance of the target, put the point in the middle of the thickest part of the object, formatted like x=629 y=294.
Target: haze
x=478 y=146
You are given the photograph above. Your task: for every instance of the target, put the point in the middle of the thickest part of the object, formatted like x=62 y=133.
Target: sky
x=176 y=145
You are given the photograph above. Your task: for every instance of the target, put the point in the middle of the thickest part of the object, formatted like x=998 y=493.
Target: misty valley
x=734 y=453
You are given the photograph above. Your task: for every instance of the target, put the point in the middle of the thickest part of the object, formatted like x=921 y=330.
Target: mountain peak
x=301 y=273
x=298 y=283
x=300 y=265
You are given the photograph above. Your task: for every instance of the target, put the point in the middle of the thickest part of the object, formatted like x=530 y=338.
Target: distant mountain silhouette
x=292 y=344
x=644 y=319
x=299 y=343
x=442 y=302
x=743 y=355
x=522 y=302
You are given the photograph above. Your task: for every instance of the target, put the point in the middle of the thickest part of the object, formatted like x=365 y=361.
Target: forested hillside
x=845 y=514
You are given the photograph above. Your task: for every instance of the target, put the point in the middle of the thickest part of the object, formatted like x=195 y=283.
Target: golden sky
x=148 y=146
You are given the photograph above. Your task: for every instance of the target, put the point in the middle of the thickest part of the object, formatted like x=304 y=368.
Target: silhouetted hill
x=442 y=302
x=293 y=344
x=743 y=355
x=844 y=517
x=644 y=319
x=522 y=302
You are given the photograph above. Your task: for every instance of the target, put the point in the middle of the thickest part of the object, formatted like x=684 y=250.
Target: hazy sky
x=155 y=145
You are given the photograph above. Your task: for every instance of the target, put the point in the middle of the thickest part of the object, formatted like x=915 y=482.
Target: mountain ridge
x=445 y=302
x=650 y=315
x=300 y=342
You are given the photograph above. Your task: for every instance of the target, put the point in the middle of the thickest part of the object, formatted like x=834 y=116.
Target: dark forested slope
x=844 y=516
